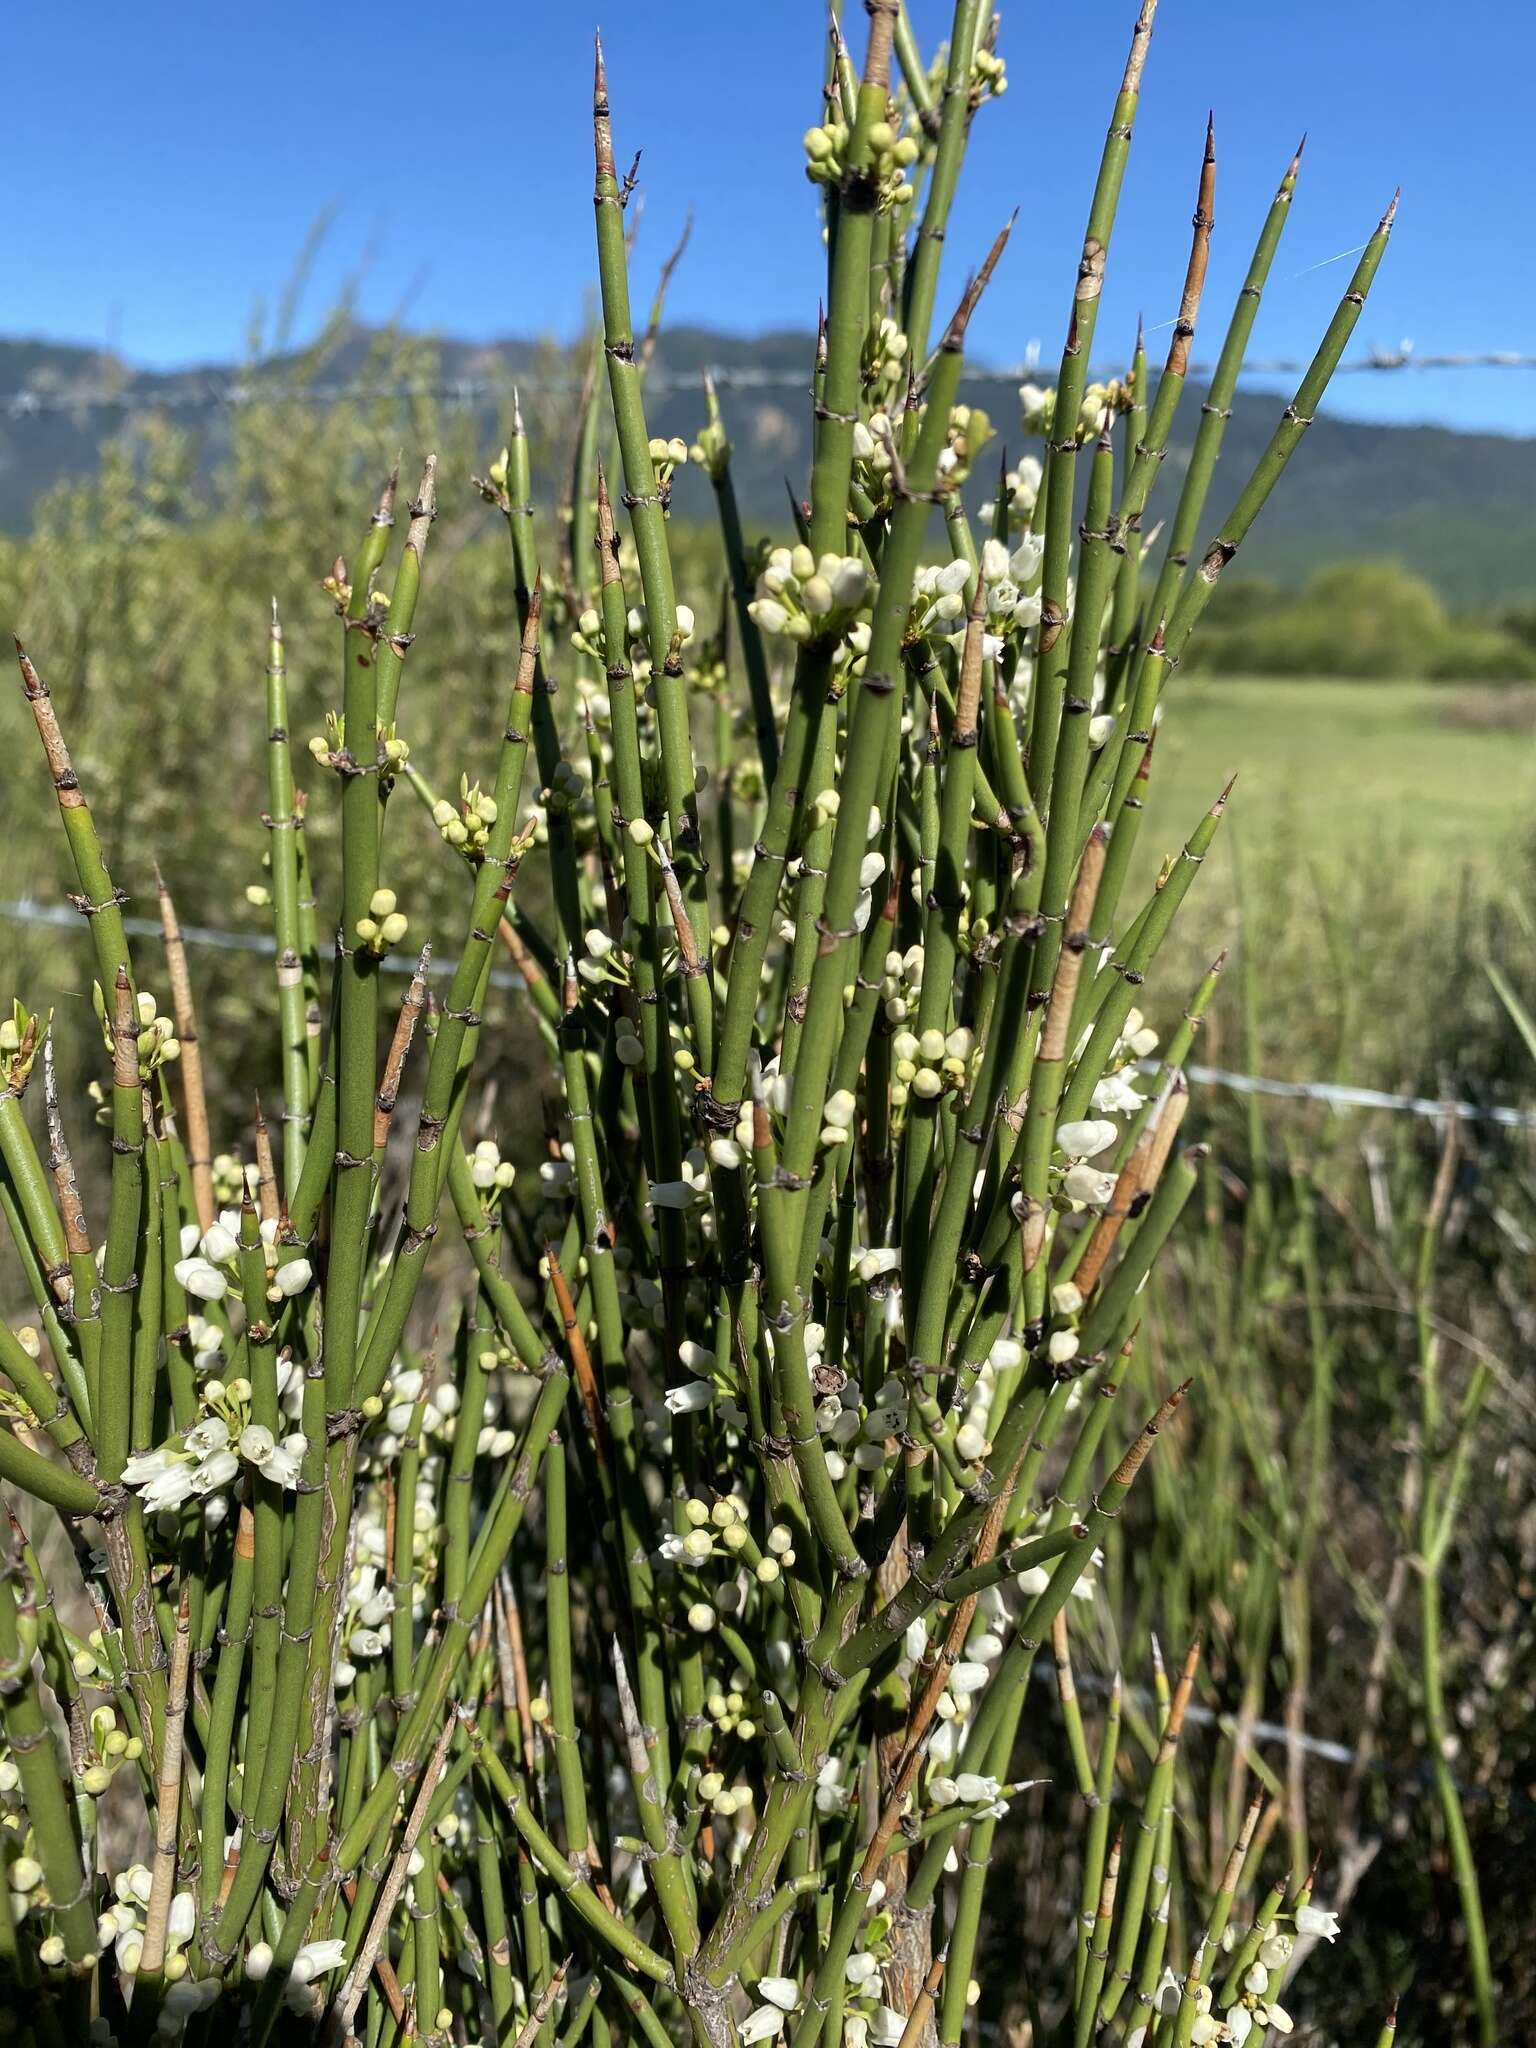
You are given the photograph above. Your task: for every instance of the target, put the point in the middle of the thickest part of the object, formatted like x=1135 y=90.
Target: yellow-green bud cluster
x=21 y=1037
x=712 y=449
x=109 y=1747
x=384 y=926
x=803 y=598
x=932 y=1064
x=666 y=456
x=826 y=159
x=328 y=747
x=466 y=825
x=568 y=789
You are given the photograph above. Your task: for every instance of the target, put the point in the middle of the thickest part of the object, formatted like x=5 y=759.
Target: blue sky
x=166 y=160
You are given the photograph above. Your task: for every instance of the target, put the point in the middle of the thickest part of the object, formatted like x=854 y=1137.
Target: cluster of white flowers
x=692 y=1188
x=588 y=636
x=398 y=1403
x=1116 y=1094
x=800 y=597
x=1083 y=1185
x=964 y=1684
x=316 y=1959
x=973 y=1439
x=1038 y=406
x=1023 y=492
x=369 y=1604
x=1255 y=2011
x=938 y=597
x=209 y=1264
x=1011 y=607
x=203 y=1460
x=157 y=1040
x=886 y=363
x=121 y=1927
x=491 y=1174
x=901 y=985
x=466 y=824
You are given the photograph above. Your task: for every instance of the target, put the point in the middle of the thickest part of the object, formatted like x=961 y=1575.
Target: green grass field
x=1412 y=773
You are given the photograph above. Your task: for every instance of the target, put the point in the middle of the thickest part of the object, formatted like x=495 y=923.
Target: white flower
x=967 y=1678
x=1116 y=1095
x=291 y=1278
x=206 y=1282
x=1027 y=557
x=831 y=1797
x=286 y=1462
x=690 y=1398
x=761 y=2024
x=1034 y=1580
x=181 y=1921
x=216 y=1470
x=1086 y=1185
x=316 y=1958
x=165 y=1479
x=783 y=1992
x=970 y=1442
x=994 y=561
x=1317 y=1921
x=209 y=1435
x=672 y=1194
x=257 y=1443
x=1087 y=1139
x=1061 y=1346
x=1239 y=2024
x=973 y=1787
x=887 y=2026
x=860 y=1967
x=1168 y=1993
x=1277 y=2017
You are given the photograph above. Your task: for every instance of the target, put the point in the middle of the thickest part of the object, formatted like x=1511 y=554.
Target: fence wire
x=467 y=392
x=1339 y=1095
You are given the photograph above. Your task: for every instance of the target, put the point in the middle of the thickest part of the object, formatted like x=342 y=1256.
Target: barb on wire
x=466 y=392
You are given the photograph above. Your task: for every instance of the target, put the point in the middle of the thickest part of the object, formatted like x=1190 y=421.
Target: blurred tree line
x=1372 y=620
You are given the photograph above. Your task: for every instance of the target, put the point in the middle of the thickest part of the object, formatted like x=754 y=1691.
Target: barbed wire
x=1339 y=1095
x=466 y=392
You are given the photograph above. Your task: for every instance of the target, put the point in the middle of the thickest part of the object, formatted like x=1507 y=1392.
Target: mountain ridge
x=1458 y=508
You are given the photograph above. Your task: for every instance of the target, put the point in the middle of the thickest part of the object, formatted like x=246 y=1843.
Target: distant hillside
x=1459 y=509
